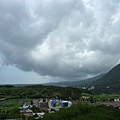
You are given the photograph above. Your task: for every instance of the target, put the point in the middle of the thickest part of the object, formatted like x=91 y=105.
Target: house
x=116 y=99
x=85 y=97
x=26 y=106
x=27 y=112
x=84 y=88
x=54 y=102
x=39 y=114
x=91 y=88
x=43 y=105
x=65 y=103
x=49 y=105
x=116 y=106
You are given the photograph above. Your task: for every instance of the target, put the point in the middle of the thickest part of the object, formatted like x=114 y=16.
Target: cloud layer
x=62 y=39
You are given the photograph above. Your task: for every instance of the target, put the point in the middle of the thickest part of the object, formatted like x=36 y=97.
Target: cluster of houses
x=90 y=88
x=49 y=105
x=115 y=103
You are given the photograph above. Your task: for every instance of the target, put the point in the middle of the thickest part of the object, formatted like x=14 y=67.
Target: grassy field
x=11 y=104
x=106 y=97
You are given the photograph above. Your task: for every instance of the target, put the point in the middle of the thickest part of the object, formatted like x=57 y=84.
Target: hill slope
x=105 y=83
x=112 y=77
x=110 y=83
x=80 y=83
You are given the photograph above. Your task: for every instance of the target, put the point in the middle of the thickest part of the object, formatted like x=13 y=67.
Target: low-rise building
x=116 y=99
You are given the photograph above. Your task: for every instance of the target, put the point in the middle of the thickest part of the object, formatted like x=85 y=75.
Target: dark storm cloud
x=62 y=39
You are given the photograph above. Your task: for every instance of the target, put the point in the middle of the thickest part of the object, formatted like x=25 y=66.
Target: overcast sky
x=57 y=40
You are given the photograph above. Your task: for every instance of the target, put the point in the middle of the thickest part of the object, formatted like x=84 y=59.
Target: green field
x=10 y=108
x=11 y=104
x=105 y=97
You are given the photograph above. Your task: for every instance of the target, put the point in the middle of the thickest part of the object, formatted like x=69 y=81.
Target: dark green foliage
x=10 y=114
x=3 y=116
x=110 y=83
x=91 y=99
x=35 y=109
x=38 y=91
x=112 y=77
x=85 y=112
x=8 y=86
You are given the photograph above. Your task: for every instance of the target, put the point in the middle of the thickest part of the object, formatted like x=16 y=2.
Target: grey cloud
x=60 y=39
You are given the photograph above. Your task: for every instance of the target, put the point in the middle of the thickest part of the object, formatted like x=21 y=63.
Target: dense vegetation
x=111 y=78
x=40 y=91
x=17 y=96
x=110 y=83
x=10 y=108
x=12 y=97
x=85 y=112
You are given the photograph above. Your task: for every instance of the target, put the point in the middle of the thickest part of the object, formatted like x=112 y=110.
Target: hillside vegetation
x=110 y=83
x=85 y=112
x=40 y=91
x=112 y=77
x=12 y=97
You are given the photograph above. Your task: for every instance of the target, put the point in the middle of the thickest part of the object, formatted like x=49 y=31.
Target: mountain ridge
x=78 y=83
x=104 y=83
x=111 y=77
x=110 y=83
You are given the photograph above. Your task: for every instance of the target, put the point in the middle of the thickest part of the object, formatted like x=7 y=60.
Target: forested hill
x=110 y=83
x=112 y=77
x=105 y=83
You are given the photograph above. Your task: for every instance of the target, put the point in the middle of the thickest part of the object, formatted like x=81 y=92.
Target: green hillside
x=104 y=83
x=110 y=83
x=112 y=77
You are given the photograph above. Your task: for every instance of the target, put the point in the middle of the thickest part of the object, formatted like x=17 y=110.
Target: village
x=36 y=102
x=43 y=106
x=53 y=105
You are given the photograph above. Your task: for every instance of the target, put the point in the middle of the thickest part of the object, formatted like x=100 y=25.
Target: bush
x=35 y=109
x=3 y=116
x=85 y=112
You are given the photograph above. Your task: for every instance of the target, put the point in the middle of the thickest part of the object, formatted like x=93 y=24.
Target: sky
x=57 y=40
